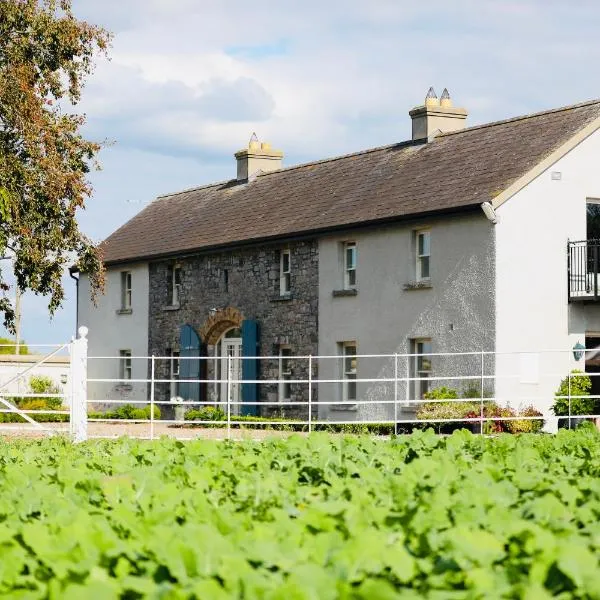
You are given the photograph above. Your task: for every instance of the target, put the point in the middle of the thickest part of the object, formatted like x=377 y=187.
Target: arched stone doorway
x=218 y=323
x=222 y=335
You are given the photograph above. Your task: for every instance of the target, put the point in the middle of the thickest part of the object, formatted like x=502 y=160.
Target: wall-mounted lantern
x=578 y=351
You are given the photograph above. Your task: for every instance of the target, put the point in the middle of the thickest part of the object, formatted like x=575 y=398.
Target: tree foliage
x=8 y=346
x=45 y=56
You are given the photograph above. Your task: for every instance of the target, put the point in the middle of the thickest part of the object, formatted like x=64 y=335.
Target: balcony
x=583 y=270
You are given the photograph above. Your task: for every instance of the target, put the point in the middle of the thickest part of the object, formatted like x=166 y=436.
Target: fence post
x=229 y=397
x=395 y=393
x=310 y=394
x=79 y=353
x=152 y=397
x=481 y=383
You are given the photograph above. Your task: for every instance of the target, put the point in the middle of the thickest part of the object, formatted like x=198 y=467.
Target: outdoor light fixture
x=578 y=351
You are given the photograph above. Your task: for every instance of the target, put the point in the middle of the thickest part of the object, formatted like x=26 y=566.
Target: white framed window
x=349 y=370
x=350 y=256
x=174 y=285
x=285 y=273
x=421 y=350
x=423 y=253
x=285 y=374
x=126 y=290
x=124 y=364
x=173 y=371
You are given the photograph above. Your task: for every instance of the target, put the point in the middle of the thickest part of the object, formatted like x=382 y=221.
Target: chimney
x=258 y=157
x=436 y=115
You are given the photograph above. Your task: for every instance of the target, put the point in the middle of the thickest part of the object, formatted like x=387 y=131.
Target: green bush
x=127 y=412
x=526 y=425
x=8 y=346
x=578 y=384
x=441 y=393
x=38 y=384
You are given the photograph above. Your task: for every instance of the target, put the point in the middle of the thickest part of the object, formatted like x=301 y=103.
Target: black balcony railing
x=583 y=267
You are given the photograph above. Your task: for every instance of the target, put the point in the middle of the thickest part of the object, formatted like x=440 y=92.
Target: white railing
x=381 y=394
x=385 y=392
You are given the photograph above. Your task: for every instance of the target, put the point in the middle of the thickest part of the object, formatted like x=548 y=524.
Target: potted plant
x=576 y=388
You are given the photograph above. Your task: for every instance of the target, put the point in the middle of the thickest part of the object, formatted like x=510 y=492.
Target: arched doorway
x=228 y=369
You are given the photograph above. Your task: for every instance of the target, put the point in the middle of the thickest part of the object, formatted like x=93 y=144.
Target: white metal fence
x=108 y=396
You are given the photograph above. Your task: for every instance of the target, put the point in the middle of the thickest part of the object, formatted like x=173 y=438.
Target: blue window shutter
x=249 y=367
x=189 y=347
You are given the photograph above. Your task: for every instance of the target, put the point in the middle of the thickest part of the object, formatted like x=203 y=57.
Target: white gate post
x=79 y=352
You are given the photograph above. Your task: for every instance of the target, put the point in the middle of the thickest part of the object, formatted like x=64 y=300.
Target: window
x=593 y=219
x=126 y=290
x=423 y=239
x=421 y=371
x=226 y=280
x=125 y=364
x=173 y=371
x=349 y=364
x=285 y=374
x=174 y=284
x=349 y=265
x=284 y=273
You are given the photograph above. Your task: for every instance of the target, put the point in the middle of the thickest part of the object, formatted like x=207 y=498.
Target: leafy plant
x=127 y=412
x=577 y=386
x=321 y=516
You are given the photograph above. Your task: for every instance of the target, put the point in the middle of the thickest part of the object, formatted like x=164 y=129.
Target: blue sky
x=190 y=80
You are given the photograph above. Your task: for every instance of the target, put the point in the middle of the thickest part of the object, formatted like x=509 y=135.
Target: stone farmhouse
x=461 y=239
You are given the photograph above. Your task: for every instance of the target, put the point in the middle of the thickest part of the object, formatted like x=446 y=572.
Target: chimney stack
x=257 y=157
x=436 y=115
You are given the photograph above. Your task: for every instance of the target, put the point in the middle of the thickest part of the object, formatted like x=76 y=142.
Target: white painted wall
x=457 y=312
x=110 y=332
x=532 y=309
x=56 y=368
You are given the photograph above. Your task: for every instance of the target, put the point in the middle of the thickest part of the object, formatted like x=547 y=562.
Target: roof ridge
x=349 y=155
x=196 y=188
x=520 y=118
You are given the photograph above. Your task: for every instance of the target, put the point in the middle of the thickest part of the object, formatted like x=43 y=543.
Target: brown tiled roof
x=454 y=171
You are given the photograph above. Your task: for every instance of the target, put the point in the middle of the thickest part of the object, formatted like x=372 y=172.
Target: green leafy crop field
x=303 y=518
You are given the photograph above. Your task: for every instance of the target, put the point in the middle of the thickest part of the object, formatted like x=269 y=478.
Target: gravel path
x=139 y=430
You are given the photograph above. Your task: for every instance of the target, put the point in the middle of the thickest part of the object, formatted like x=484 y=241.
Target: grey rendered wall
x=253 y=289
x=111 y=331
x=457 y=312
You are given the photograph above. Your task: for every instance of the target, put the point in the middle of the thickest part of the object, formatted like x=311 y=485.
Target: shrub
x=8 y=346
x=127 y=412
x=441 y=393
x=578 y=384
x=38 y=384
x=527 y=425
x=206 y=413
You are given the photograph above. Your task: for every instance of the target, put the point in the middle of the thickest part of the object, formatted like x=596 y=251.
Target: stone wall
x=246 y=280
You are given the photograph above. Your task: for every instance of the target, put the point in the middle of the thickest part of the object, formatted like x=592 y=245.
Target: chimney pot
x=436 y=115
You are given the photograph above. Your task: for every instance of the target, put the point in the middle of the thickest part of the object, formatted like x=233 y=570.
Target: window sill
x=282 y=298
x=124 y=311
x=171 y=307
x=343 y=406
x=425 y=284
x=342 y=293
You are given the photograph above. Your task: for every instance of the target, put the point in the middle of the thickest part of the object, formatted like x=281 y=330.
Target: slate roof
x=455 y=171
